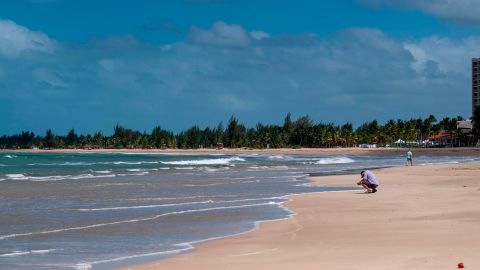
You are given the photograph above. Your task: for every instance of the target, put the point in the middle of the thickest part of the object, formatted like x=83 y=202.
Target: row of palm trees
x=302 y=132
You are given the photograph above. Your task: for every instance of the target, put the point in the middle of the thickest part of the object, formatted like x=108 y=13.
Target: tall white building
x=475 y=84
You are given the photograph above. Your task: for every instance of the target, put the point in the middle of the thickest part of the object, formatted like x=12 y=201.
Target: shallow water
x=83 y=211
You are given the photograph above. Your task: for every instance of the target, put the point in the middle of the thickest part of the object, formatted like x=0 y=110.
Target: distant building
x=465 y=126
x=475 y=84
x=443 y=140
x=368 y=145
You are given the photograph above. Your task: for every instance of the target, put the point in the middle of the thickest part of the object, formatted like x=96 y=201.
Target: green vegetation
x=300 y=133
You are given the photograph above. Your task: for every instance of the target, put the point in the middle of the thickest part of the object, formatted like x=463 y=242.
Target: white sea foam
x=82 y=266
x=141 y=170
x=133 y=174
x=94 y=163
x=134 y=162
x=214 y=161
x=105 y=171
x=10 y=156
x=88 y=265
x=155 y=153
x=279 y=168
x=16 y=176
x=249 y=200
x=334 y=160
x=259 y=167
x=142 y=206
x=280 y=157
x=210 y=169
x=63 y=164
x=264 y=168
x=2 y=237
x=87 y=175
x=184 y=168
x=182 y=198
x=112 y=185
x=20 y=176
x=29 y=252
x=190 y=245
x=15 y=253
x=173 y=204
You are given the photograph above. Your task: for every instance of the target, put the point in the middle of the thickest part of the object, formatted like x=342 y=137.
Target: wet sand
x=423 y=217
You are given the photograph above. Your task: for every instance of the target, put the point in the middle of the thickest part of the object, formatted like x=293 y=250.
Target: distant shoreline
x=457 y=151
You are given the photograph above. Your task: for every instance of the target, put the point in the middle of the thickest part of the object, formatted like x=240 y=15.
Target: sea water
x=99 y=211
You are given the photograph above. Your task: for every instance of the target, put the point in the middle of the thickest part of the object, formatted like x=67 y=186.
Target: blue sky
x=89 y=65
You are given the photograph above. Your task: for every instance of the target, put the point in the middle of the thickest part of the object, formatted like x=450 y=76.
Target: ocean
x=100 y=211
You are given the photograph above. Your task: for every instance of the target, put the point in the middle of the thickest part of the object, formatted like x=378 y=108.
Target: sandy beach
x=423 y=217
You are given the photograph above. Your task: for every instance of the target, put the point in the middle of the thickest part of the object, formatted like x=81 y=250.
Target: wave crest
x=216 y=161
x=334 y=160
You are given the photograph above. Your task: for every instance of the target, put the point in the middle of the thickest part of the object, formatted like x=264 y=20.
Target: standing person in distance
x=369 y=181
x=409 y=158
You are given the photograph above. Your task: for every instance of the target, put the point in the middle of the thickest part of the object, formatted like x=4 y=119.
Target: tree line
x=302 y=132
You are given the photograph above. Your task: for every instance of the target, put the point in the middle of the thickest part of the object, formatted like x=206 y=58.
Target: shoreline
x=298 y=242
x=458 y=151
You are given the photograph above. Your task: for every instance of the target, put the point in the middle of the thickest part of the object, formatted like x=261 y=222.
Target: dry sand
x=423 y=217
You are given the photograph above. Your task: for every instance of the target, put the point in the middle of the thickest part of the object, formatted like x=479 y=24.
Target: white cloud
x=450 y=55
x=375 y=38
x=221 y=33
x=457 y=10
x=259 y=35
x=16 y=39
x=358 y=74
x=419 y=55
x=460 y=10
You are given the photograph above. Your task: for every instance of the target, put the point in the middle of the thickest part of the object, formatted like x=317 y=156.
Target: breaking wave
x=215 y=161
x=334 y=160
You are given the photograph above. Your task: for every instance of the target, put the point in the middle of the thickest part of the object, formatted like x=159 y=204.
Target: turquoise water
x=98 y=211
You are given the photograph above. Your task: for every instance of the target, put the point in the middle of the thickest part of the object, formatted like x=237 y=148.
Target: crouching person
x=368 y=182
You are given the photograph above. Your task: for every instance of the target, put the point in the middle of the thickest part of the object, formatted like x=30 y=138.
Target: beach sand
x=423 y=217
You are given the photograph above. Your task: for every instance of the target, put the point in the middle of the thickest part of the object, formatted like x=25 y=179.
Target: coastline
x=423 y=217
x=457 y=151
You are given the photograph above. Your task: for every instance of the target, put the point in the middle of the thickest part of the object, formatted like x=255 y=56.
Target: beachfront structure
x=465 y=126
x=443 y=140
x=475 y=84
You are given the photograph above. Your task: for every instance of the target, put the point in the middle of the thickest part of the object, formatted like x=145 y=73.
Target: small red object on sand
x=460 y=265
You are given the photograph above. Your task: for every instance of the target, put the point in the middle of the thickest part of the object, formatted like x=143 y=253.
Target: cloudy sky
x=177 y=63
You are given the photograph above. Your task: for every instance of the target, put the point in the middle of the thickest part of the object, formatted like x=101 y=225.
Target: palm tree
x=50 y=139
